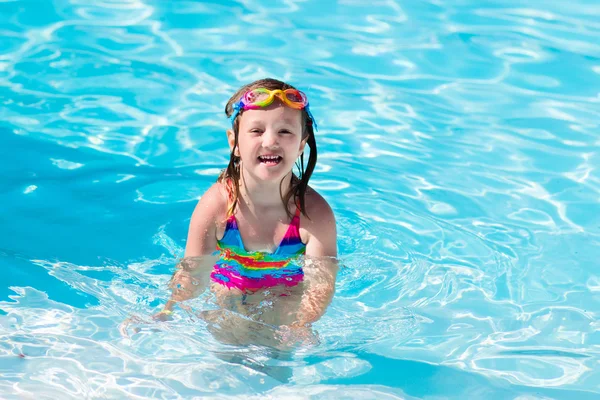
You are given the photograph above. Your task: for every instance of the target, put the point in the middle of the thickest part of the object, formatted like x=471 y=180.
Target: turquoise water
x=458 y=148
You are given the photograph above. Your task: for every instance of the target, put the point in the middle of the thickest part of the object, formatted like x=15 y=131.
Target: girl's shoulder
x=212 y=206
x=317 y=208
x=205 y=223
x=318 y=229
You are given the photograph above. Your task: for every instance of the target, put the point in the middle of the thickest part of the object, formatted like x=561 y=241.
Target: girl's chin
x=269 y=172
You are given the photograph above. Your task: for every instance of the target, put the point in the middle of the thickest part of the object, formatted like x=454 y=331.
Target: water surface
x=458 y=147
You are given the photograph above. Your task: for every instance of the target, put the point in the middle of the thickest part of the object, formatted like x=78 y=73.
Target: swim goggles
x=261 y=97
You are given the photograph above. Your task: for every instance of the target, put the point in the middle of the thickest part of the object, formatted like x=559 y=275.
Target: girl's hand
x=164 y=315
x=296 y=335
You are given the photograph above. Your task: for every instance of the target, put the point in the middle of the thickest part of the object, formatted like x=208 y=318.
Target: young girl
x=263 y=239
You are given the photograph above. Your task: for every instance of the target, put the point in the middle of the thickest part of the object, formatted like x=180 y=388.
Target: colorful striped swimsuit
x=253 y=270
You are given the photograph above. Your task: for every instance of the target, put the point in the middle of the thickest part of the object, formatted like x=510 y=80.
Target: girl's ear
x=231 y=141
x=302 y=144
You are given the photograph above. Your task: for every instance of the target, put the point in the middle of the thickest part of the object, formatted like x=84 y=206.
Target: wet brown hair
x=230 y=176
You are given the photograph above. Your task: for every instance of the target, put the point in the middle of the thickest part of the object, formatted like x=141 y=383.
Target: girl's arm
x=321 y=267
x=202 y=232
x=193 y=270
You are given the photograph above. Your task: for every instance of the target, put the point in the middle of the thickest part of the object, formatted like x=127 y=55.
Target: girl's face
x=269 y=141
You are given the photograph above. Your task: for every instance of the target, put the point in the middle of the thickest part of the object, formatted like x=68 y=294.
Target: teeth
x=269 y=157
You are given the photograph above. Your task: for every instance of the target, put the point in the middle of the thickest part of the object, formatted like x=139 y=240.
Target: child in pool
x=275 y=235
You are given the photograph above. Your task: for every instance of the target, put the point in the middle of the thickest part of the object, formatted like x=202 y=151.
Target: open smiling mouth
x=270 y=160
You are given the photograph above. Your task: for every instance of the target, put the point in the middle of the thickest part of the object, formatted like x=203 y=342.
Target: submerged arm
x=321 y=267
x=193 y=271
x=319 y=277
x=189 y=281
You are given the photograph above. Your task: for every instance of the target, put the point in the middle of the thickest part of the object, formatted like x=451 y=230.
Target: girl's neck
x=263 y=194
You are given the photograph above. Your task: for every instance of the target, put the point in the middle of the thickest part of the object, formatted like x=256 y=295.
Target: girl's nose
x=270 y=139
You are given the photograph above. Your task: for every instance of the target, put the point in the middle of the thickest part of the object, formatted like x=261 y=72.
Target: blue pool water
x=458 y=148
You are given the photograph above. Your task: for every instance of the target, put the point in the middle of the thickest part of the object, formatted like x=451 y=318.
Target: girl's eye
x=285 y=131
x=255 y=130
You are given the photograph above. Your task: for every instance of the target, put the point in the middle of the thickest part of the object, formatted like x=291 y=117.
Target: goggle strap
x=312 y=119
x=236 y=110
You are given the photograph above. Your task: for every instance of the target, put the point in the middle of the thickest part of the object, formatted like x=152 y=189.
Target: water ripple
x=458 y=148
